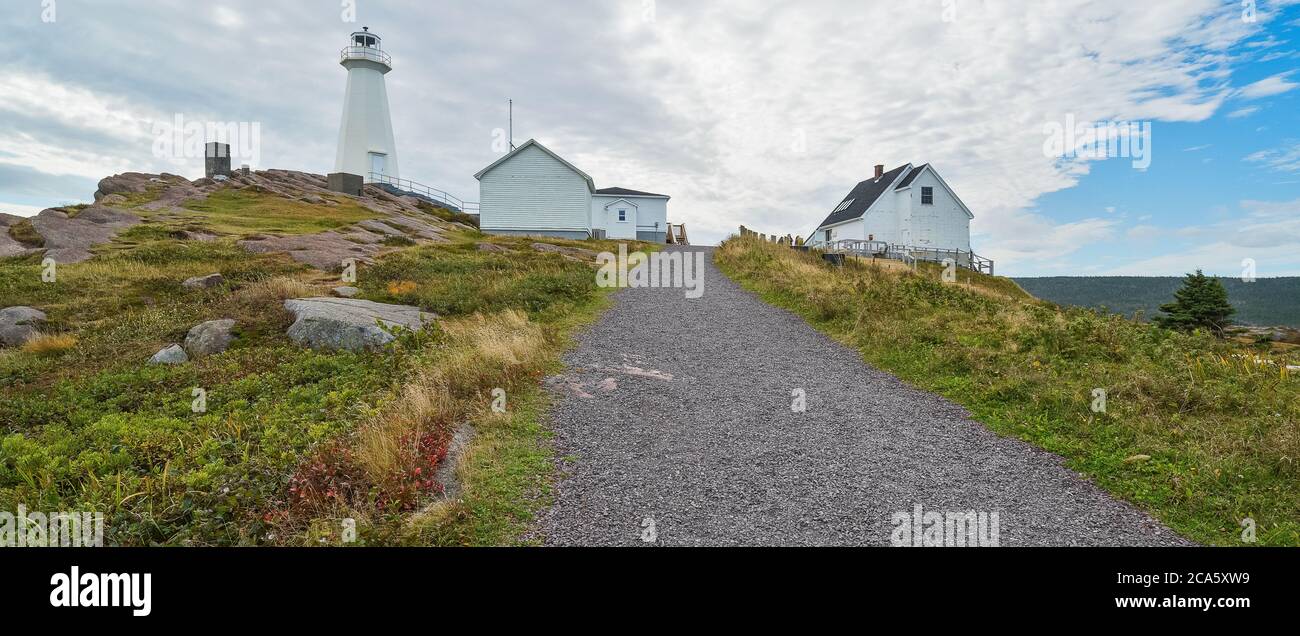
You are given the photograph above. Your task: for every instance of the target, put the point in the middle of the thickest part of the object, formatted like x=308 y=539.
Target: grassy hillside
x=293 y=441
x=1267 y=302
x=1195 y=430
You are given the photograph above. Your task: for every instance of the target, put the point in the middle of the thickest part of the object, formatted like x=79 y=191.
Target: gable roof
x=624 y=192
x=591 y=185
x=621 y=200
x=863 y=195
x=911 y=176
x=866 y=193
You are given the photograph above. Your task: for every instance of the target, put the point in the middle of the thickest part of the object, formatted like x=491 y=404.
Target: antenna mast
x=511 y=109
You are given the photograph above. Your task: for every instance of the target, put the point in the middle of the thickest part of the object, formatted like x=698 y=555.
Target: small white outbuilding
x=535 y=192
x=630 y=214
x=908 y=206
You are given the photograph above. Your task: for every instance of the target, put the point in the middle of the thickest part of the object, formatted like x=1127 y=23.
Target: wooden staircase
x=677 y=234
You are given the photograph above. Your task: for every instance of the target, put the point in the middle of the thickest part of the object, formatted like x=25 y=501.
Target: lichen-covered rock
x=346 y=292
x=18 y=325
x=345 y=324
x=493 y=248
x=172 y=354
x=204 y=282
x=210 y=338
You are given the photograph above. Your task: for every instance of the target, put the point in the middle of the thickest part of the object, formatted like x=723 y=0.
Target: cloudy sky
x=761 y=113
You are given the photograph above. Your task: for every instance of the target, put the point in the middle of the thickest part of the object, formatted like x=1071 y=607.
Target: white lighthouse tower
x=366 y=146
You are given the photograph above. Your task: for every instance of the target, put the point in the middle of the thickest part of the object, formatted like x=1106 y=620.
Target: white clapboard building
x=533 y=191
x=907 y=206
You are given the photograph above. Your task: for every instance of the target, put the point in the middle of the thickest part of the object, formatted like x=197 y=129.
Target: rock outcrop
x=576 y=253
x=18 y=325
x=68 y=239
x=8 y=245
x=326 y=251
x=345 y=324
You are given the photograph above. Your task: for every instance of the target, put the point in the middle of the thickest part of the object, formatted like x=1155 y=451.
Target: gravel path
x=674 y=422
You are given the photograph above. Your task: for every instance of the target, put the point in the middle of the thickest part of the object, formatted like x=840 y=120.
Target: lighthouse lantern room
x=366 y=147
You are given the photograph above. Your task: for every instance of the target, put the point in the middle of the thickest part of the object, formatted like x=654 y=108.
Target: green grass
x=92 y=427
x=243 y=212
x=25 y=233
x=1222 y=433
x=450 y=216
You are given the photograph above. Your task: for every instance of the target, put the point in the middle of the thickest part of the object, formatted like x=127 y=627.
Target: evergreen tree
x=1201 y=303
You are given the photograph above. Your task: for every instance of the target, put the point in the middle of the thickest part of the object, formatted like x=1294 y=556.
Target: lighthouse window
x=927 y=196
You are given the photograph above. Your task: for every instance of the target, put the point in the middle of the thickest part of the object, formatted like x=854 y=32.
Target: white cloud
x=1243 y=112
x=1144 y=232
x=1265 y=231
x=1283 y=159
x=1269 y=86
x=227 y=17
x=19 y=209
x=708 y=102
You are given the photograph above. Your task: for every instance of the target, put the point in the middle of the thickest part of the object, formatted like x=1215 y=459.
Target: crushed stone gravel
x=674 y=422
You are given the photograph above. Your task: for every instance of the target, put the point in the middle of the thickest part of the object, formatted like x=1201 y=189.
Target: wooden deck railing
x=905 y=253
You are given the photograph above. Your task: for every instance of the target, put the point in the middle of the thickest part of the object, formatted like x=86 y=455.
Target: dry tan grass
x=277 y=289
x=483 y=353
x=424 y=405
x=44 y=345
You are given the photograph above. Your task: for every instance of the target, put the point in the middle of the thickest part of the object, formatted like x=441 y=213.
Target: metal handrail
x=365 y=53
x=434 y=194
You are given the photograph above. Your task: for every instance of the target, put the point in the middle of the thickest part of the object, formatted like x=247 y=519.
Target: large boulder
x=18 y=325
x=209 y=338
x=348 y=324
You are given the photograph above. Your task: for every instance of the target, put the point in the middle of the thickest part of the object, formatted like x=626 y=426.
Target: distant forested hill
x=1267 y=302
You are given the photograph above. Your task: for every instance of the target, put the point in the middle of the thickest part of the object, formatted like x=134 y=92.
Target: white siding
x=943 y=225
x=847 y=231
x=532 y=191
x=898 y=217
x=604 y=215
x=650 y=211
x=882 y=222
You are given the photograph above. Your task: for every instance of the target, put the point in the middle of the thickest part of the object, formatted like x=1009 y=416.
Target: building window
x=622 y=215
x=828 y=236
x=927 y=195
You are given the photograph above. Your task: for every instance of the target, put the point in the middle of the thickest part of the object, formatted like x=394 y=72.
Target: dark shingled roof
x=863 y=195
x=911 y=176
x=624 y=192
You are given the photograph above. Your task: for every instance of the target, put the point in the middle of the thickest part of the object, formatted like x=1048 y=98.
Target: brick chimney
x=880 y=170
